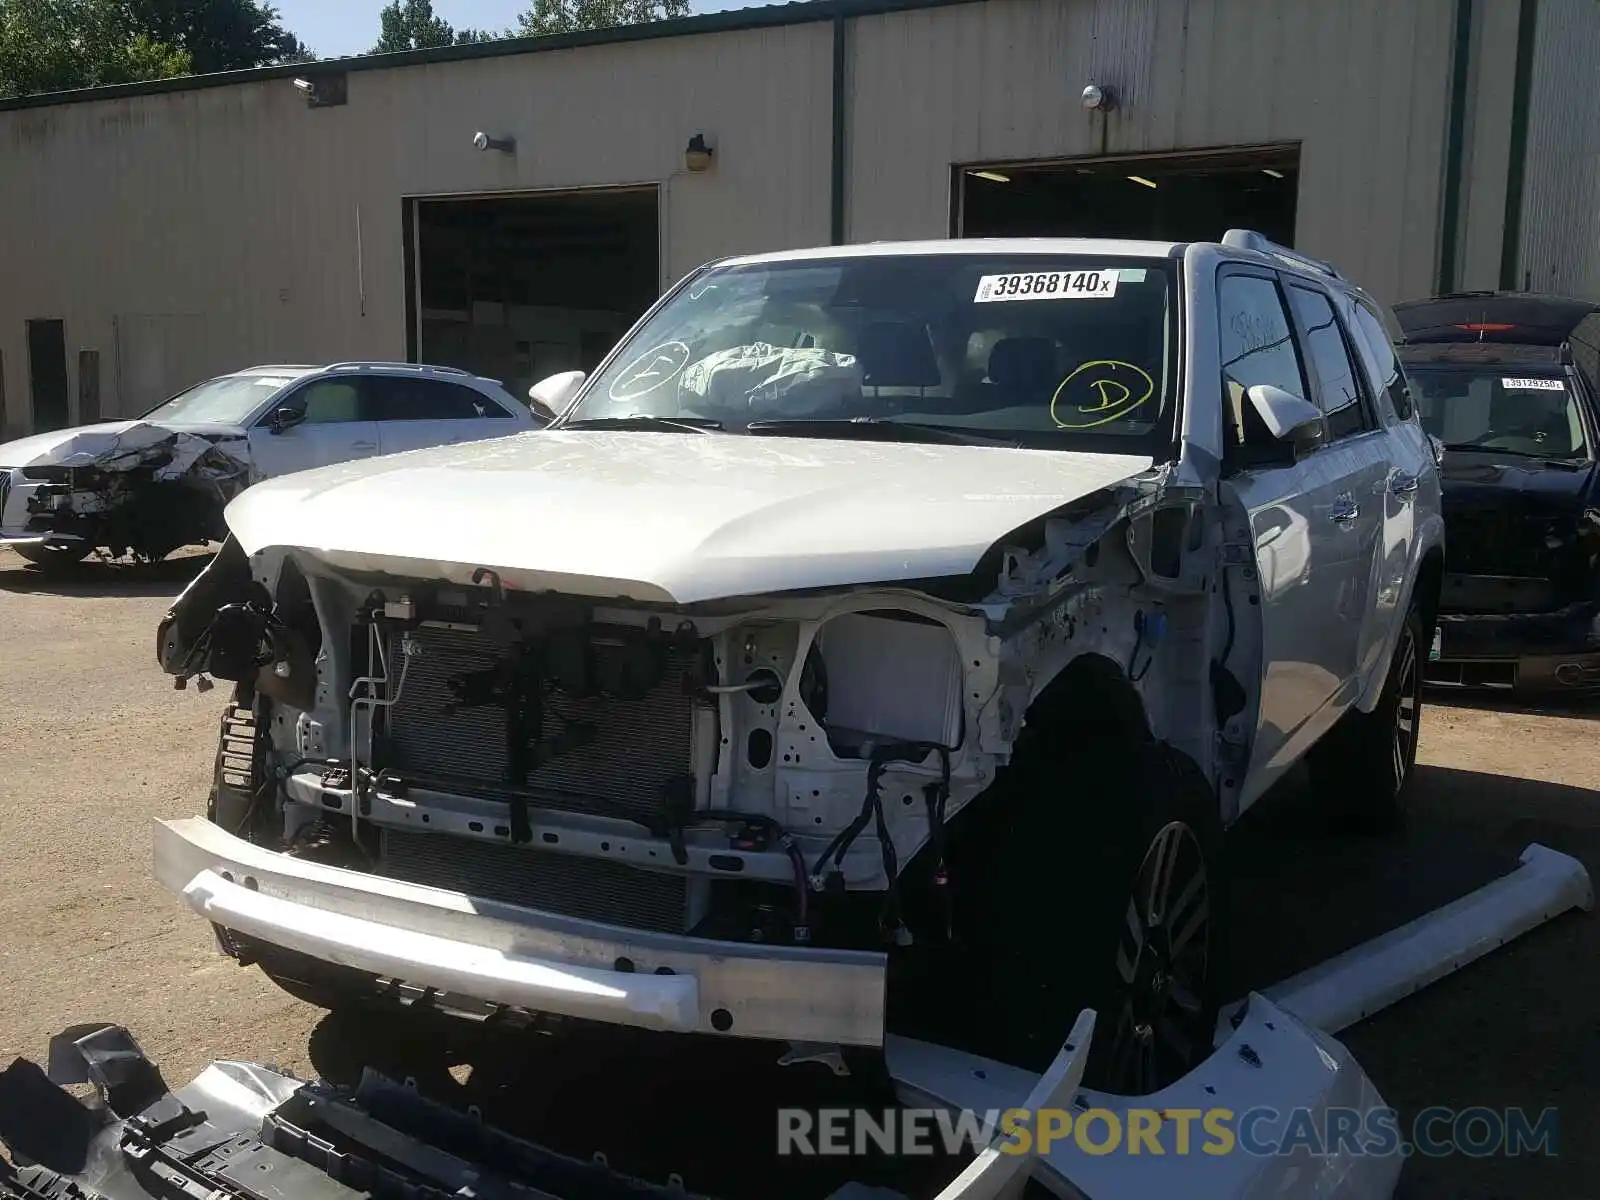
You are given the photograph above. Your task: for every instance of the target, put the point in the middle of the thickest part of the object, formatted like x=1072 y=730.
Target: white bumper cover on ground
x=1271 y=1064
x=516 y=956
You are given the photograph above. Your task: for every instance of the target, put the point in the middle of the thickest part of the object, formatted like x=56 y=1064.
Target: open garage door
x=518 y=287
x=1169 y=197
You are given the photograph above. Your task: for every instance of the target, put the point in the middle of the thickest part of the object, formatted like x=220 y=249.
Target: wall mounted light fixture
x=1097 y=98
x=697 y=155
x=323 y=90
x=506 y=145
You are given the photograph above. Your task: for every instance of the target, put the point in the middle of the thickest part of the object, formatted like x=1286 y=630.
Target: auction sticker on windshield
x=1533 y=385
x=1047 y=285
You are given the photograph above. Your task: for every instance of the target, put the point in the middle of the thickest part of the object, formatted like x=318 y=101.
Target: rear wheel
x=1100 y=887
x=60 y=557
x=1362 y=768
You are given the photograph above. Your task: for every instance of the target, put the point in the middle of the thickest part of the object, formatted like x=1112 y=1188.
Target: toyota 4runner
x=881 y=638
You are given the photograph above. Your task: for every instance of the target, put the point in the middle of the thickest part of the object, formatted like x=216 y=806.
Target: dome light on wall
x=697 y=155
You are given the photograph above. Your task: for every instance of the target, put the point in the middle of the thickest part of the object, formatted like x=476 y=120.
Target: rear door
x=415 y=412
x=336 y=428
x=1410 y=477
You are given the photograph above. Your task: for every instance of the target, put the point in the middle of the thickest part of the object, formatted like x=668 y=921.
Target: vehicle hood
x=102 y=444
x=669 y=517
x=1520 y=487
x=1519 y=517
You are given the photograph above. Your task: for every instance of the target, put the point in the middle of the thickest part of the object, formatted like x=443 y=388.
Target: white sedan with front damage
x=871 y=654
x=150 y=485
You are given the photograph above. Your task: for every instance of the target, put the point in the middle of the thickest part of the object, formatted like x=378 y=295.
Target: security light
x=697 y=155
x=505 y=145
x=324 y=90
x=1099 y=99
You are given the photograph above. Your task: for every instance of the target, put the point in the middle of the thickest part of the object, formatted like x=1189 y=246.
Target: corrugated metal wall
x=1560 y=227
x=1362 y=85
x=194 y=232
x=1486 y=150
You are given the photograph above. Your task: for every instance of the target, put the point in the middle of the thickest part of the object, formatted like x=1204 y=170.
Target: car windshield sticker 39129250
x=1533 y=385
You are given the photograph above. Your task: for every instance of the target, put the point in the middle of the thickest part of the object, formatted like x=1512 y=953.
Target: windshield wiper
x=646 y=421
x=873 y=429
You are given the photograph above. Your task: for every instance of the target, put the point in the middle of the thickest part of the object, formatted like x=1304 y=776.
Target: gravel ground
x=95 y=744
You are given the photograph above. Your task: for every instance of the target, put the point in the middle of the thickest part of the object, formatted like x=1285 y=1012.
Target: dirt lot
x=95 y=743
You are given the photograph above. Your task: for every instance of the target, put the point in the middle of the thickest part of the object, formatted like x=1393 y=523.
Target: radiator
x=589 y=888
x=639 y=746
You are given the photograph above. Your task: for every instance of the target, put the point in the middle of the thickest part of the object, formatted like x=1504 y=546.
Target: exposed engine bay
x=138 y=489
x=785 y=770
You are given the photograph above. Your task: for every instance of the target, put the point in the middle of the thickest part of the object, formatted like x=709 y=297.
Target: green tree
x=53 y=45
x=567 y=16
x=219 y=35
x=412 y=25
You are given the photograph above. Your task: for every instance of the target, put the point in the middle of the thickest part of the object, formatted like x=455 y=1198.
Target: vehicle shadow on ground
x=122 y=578
x=655 y=1105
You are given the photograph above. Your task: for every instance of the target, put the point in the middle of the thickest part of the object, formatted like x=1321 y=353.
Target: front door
x=336 y=428
x=1303 y=519
x=1357 y=457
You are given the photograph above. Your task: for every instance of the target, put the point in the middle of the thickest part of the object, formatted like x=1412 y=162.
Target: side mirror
x=549 y=397
x=1283 y=413
x=284 y=419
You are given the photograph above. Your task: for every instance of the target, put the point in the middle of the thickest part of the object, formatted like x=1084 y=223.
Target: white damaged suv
x=881 y=639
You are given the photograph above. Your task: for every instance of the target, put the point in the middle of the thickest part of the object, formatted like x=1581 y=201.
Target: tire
x=1361 y=769
x=54 y=558
x=1100 y=886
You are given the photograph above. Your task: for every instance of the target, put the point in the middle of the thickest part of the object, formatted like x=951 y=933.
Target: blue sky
x=337 y=27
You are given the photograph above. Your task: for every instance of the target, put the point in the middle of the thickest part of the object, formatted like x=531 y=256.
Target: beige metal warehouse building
x=151 y=235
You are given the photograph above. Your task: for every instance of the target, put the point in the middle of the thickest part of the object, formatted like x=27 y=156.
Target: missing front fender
x=184 y=643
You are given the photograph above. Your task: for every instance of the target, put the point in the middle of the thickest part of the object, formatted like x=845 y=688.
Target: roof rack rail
x=1249 y=239
x=396 y=366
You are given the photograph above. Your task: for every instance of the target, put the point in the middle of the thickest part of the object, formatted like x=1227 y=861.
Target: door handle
x=1404 y=485
x=1344 y=511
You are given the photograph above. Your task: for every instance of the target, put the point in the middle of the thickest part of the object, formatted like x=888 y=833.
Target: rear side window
x=432 y=400
x=1340 y=389
x=1387 y=377
x=1257 y=347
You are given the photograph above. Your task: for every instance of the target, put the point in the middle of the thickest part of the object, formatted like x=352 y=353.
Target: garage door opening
x=1179 y=198
x=521 y=287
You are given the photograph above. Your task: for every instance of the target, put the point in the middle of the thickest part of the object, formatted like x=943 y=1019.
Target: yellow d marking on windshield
x=1114 y=399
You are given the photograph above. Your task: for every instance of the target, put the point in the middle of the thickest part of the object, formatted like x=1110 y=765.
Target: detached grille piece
x=589 y=888
x=638 y=746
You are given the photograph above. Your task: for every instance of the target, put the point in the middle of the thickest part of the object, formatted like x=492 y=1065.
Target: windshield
x=1522 y=411
x=1045 y=350
x=226 y=401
